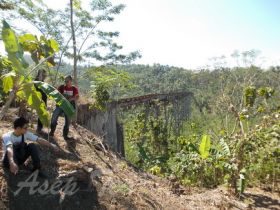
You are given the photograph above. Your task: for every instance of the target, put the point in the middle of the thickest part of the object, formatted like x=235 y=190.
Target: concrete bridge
x=105 y=123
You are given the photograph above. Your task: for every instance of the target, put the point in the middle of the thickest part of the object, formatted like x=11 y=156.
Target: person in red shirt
x=71 y=93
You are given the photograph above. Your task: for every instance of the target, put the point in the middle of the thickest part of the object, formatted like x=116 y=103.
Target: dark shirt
x=44 y=96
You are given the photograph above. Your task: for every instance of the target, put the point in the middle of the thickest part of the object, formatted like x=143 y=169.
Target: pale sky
x=186 y=33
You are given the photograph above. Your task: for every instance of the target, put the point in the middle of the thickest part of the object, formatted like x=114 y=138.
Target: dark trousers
x=58 y=112
x=39 y=123
x=19 y=158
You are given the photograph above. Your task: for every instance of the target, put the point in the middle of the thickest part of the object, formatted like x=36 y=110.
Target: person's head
x=41 y=75
x=21 y=125
x=68 y=80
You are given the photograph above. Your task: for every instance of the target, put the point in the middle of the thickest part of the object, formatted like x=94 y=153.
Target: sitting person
x=70 y=92
x=17 y=151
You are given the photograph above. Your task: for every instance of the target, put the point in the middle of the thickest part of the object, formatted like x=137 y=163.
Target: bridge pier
x=103 y=124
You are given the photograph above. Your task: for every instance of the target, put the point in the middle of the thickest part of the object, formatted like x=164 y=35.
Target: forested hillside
x=141 y=136
x=232 y=119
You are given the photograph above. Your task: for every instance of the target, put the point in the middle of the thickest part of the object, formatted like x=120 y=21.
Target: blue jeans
x=56 y=113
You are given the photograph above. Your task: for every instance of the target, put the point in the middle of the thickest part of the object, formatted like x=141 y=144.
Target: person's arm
x=10 y=154
x=48 y=144
x=75 y=96
x=34 y=138
x=60 y=89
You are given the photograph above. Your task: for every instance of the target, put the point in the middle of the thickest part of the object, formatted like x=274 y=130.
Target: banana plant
x=18 y=82
x=204 y=146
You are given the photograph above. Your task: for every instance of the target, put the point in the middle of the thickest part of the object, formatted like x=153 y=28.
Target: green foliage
x=6 y=5
x=101 y=96
x=38 y=49
x=12 y=47
x=238 y=107
x=156 y=170
x=77 y=4
x=244 y=114
x=34 y=100
x=250 y=96
x=266 y=92
x=106 y=83
x=5 y=67
x=54 y=94
x=204 y=146
x=18 y=82
x=241 y=183
x=8 y=81
x=93 y=44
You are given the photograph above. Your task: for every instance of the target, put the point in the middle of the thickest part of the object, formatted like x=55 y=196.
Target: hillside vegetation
x=107 y=181
x=218 y=148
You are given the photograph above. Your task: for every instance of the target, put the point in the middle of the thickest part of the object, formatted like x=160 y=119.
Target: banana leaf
x=54 y=94
x=204 y=146
x=13 y=48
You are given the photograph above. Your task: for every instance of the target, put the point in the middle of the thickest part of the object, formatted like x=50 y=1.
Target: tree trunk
x=74 y=45
x=7 y=104
x=74 y=52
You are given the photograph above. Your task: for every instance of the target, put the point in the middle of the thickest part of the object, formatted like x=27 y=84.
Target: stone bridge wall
x=102 y=123
x=105 y=123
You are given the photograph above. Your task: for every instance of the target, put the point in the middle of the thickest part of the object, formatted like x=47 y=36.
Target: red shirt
x=68 y=91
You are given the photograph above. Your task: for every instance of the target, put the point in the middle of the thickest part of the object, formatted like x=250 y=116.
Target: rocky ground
x=106 y=181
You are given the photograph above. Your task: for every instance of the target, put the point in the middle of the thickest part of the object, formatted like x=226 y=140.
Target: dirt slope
x=106 y=181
